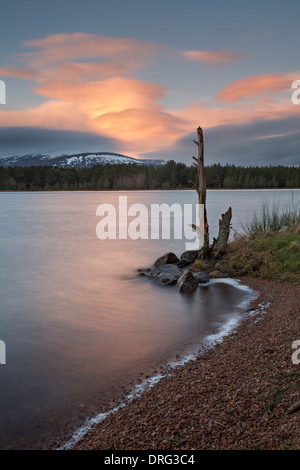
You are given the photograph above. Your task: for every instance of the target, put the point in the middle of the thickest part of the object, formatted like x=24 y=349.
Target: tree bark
x=219 y=245
x=218 y=248
x=201 y=191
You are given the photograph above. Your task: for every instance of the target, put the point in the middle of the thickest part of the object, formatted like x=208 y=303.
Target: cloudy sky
x=139 y=77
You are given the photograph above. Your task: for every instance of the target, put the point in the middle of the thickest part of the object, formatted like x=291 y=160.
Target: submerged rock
x=167 y=258
x=187 y=282
x=167 y=274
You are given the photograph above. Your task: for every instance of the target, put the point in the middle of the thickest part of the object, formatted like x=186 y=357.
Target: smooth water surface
x=78 y=322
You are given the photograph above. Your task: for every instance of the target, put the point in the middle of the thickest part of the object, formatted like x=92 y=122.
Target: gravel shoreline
x=234 y=396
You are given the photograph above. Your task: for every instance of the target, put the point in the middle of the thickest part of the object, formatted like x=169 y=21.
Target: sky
x=138 y=78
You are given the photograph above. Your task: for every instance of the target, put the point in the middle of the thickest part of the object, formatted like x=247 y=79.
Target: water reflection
x=77 y=320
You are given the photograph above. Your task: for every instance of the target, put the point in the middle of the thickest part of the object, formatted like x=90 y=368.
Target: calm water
x=79 y=325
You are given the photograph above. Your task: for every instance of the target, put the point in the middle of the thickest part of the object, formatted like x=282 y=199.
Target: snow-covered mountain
x=74 y=160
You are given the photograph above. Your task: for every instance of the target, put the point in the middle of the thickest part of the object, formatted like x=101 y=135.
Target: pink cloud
x=82 y=71
x=100 y=95
x=120 y=92
x=24 y=73
x=50 y=115
x=143 y=129
x=215 y=57
x=59 y=48
x=118 y=107
x=88 y=83
x=237 y=113
x=253 y=86
x=121 y=106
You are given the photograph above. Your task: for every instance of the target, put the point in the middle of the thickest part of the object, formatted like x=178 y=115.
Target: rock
x=193 y=269
x=216 y=274
x=144 y=272
x=187 y=282
x=202 y=278
x=167 y=274
x=167 y=258
x=190 y=255
x=182 y=263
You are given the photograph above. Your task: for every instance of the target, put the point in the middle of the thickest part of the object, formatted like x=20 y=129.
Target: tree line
x=170 y=176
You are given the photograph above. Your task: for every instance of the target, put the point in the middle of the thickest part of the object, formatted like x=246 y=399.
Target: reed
x=275 y=218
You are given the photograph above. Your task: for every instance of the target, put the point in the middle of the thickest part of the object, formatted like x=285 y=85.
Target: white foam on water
x=136 y=392
x=209 y=341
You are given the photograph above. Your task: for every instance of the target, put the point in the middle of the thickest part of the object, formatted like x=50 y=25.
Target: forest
x=170 y=176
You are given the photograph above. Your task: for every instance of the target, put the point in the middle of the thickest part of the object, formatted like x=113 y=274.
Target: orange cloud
x=49 y=115
x=102 y=96
x=250 y=87
x=118 y=107
x=143 y=129
x=215 y=57
x=122 y=107
x=97 y=96
x=238 y=113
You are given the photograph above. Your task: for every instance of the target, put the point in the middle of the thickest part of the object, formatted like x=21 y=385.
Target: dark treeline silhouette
x=170 y=176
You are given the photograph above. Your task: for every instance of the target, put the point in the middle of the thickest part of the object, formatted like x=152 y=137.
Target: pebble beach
x=236 y=395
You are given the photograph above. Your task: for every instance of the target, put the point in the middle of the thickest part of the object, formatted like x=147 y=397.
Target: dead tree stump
x=219 y=245
x=201 y=191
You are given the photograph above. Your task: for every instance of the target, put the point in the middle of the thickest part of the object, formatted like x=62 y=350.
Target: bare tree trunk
x=201 y=191
x=219 y=245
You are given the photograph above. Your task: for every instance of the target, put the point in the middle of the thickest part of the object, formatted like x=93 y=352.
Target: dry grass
x=202 y=265
x=269 y=255
x=275 y=218
x=296 y=229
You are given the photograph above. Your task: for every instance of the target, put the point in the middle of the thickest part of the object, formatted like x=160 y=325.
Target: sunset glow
x=117 y=87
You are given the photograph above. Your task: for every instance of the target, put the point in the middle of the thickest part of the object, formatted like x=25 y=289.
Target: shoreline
x=137 y=190
x=149 y=421
x=141 y=386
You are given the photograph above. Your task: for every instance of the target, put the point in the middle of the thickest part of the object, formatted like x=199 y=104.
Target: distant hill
x=76 y=160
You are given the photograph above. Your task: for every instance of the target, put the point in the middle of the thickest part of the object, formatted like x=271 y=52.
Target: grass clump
x=274 y=219
x=270 y=255
x=201 y=264
x=270 y=246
